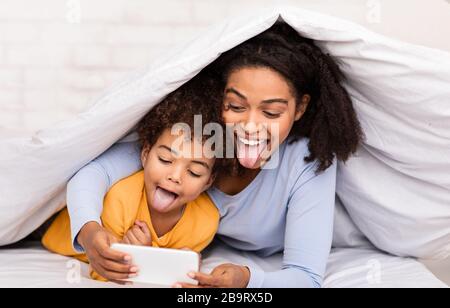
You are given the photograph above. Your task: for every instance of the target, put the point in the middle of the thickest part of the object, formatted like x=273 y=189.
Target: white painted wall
x=57 y=55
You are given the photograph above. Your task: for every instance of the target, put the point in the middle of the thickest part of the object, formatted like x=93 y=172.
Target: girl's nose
x=175 y=176
x=174 y=179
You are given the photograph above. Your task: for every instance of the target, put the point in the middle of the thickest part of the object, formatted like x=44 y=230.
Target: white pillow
x=396 y=189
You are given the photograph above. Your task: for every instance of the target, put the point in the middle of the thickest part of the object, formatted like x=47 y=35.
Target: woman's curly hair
x=330 y=121
x=199 y=96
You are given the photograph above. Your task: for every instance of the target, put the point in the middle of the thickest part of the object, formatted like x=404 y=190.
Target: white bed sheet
x=32 y=266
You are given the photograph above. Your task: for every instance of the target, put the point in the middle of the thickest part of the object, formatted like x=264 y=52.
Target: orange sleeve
x=58 y=238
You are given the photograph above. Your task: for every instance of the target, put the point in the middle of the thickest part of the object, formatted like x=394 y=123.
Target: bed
x=30 y=265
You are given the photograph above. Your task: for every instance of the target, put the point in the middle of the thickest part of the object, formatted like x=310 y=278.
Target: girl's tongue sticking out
x=163 y=199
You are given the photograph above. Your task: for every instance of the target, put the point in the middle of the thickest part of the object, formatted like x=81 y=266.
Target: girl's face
x=174 y=177
x=262 y=108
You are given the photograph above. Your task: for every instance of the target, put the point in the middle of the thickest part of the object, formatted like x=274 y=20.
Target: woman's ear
x=144 y=154
x=301 y=108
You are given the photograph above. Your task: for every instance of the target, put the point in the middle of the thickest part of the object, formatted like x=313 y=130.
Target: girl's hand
x=223 y=276
x=110 y=264
x=138 y=235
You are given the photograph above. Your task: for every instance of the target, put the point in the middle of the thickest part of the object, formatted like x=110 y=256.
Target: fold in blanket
x=396 y=188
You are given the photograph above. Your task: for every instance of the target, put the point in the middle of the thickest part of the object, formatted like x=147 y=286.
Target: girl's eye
x=271 y=115
x=195 y=175
x=165 y=162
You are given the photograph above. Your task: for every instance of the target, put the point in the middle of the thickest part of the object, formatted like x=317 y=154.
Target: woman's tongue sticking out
x=249 y=153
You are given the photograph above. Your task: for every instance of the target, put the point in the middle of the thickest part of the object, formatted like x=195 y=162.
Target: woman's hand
x=112 y=265
x=223 y=276
x=138 y=235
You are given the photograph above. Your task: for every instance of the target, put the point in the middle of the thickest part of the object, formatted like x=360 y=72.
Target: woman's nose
x=252 y=125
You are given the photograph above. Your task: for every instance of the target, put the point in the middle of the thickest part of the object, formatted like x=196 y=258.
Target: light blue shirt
x=288 y=209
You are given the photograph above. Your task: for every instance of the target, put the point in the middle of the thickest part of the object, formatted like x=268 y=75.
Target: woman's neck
x=233 y=185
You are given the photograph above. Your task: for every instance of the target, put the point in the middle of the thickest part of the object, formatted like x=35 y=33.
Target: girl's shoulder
x=204 y=207
x=128 y=190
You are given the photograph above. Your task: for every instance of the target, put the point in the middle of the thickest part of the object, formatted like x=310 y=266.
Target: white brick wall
x=57 y=55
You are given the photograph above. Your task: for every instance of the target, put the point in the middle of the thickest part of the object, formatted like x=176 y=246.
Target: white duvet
x=396 y=189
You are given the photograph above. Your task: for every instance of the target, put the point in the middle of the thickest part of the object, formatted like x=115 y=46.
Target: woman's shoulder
x=292 y=162
x=293 y=153
x=131 y=137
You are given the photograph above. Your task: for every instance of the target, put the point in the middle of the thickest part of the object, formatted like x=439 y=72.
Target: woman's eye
x=195 y=175
x=271 y=115
x=165 y=162
x=235 y=108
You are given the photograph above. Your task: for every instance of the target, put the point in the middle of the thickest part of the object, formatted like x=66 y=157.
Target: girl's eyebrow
x=168 y=149
x=201 y=163
x=194 y=161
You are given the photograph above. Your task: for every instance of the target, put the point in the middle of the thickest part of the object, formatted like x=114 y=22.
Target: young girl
x=164 y=205
x=277 y=79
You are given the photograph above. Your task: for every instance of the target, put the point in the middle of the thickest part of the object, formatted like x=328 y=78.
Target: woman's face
x=262 y=108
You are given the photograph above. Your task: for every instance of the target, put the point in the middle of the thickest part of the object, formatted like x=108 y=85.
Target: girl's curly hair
x=200 y=96
x=330 y=121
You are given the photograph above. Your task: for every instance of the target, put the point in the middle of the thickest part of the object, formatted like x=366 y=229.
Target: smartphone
x=161 y=266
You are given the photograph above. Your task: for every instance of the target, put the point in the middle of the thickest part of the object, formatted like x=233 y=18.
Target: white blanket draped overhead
x=396 y=189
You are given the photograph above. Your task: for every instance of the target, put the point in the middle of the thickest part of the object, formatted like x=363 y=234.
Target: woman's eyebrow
x=267 y=101
x=275 y=100
x=236 y=92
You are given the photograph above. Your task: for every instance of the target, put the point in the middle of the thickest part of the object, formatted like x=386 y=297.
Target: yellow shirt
x=125 y=203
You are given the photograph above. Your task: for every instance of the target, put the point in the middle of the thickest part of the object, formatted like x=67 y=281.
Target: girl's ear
x=301 y=109
x=144 y=154
x=211 y=181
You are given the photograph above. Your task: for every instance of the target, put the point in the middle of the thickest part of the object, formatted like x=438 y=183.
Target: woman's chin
x=249 y=164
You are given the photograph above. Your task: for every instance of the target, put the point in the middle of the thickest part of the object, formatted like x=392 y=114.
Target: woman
x=275 y=80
